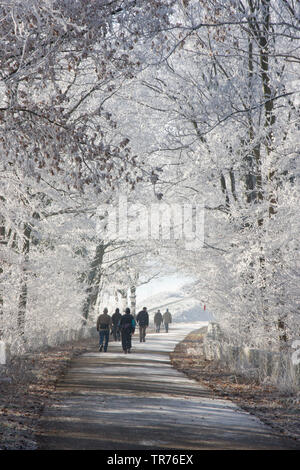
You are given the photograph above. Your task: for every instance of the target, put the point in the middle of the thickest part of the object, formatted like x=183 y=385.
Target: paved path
x=114 y=401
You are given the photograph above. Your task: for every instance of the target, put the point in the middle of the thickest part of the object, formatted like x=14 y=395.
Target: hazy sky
x=165 y=283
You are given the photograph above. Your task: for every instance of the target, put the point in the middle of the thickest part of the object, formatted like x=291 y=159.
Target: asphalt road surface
x=113 y=401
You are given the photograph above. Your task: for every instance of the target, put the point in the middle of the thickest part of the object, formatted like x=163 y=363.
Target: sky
x=162 y=284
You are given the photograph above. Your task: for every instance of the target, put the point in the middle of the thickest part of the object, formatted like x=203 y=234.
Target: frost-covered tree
x=224 y=104
x=61 y=152
x=180 y=102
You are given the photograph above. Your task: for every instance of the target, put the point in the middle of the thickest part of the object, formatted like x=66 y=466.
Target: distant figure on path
x=167 y=317
x=158 y=319
x=115 y=319
x=103 y=326
x=143 y=321
x=127 y=327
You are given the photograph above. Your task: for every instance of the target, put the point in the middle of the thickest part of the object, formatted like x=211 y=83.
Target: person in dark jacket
x=127 y=327
x=103 y=326
x=115 y=320
x=158 y=319
x=143 y=321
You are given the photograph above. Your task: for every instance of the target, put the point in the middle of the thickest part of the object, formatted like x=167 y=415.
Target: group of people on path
x=122 y=327
x=166 y=319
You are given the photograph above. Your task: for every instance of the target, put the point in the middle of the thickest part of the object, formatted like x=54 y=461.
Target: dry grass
x=25 y=386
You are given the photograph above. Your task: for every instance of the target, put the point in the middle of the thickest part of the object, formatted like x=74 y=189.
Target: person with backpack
x=143 y=321
x=115 y=319
x=167 y=318
x=103 y=326
x=158 y=319
x=127 y=327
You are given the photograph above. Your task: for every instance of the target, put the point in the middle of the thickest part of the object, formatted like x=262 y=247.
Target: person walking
x=143 y=321
x=103 y=326
x=127 y=327
x=115 y=319
x=167 y=319
x=158 y=319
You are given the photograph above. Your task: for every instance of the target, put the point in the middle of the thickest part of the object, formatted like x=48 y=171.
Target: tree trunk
x=24 y=274
x=133 y=300
x=93 y=281
x=2 y=242
x=225 y=192
x=270 y=120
